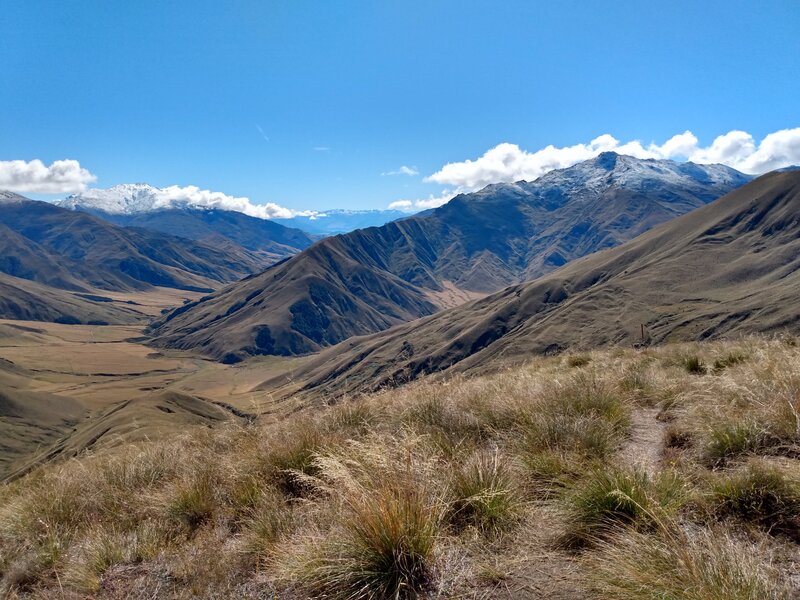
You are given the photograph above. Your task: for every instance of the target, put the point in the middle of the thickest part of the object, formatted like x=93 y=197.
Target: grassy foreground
x=664 y=473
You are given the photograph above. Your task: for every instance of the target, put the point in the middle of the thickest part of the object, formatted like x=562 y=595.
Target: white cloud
x=508 y=162
x=432 y=201
x=193 y=196
x=403 y=170
x=402 y=205
x=62 y=176
x=321 y=148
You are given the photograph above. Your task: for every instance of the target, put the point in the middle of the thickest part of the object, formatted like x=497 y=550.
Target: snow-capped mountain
x=131 y=199
x=8 y=197
x=123 y=199
x=370 y=279
x=609 y=170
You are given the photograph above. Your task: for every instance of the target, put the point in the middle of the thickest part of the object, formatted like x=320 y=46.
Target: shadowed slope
x=371 y=279
x=221 y=228
x=729 y=268
x=112 y=258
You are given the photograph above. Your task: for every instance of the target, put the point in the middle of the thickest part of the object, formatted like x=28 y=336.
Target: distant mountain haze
x=371 y=279
x=331 y=222
x=726 y=269
x=53 y=260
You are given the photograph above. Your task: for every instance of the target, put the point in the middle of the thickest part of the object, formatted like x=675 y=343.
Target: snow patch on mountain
x=134 y=198
x=610 y=169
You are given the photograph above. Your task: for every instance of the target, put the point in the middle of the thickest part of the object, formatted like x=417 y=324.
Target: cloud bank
x=192 y=195
x=506 y=163
x=61 y=177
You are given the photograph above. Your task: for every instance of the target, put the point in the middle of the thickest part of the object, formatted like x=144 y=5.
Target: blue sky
x=307 y=104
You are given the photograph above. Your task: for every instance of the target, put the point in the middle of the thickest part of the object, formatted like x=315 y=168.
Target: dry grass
x=457 y=488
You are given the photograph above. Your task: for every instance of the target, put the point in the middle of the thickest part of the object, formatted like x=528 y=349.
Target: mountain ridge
x=729 y=268
x=476 y=244
x=49 y=254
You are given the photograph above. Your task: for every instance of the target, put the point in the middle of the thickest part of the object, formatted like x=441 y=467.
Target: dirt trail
x=645 y=446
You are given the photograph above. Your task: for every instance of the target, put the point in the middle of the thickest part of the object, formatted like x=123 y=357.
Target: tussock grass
x=690 y=564
x=762 y=494
x=694 y=364
x=578 y=360
x=484 y=493
x=381 y=540
x=413 y=491
x=570 y=426
x=730 y=359
x=609 y=499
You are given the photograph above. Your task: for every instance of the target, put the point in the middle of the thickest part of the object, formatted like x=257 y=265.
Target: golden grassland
x=671 y=472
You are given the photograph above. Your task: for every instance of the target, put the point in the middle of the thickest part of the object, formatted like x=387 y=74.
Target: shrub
x=483 y=494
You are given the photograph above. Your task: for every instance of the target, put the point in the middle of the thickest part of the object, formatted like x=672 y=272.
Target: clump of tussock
x=265 y=523
x=100 y=548
x=290 y=457
x=761 y=494
x=193 y=500
x=356 y=417
x=578 y=360
x=484 y=494
x=608 y=499
x=691 y=564
x=732 y=439
x=382 y=536
x=449 y=428
x=728 y=360
x=693 y=364
x=582 y=419
x=639 y=382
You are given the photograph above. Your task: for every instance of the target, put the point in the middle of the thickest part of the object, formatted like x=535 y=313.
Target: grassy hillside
x=663 y=473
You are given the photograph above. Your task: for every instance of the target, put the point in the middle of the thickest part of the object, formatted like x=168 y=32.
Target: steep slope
x=31 y=301
x=729 y=268
x=370 y=279
x=100 y=255
x=30 y=418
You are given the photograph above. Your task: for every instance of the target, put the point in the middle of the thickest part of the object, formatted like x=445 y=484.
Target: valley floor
x=670 y=472
x=101 y=386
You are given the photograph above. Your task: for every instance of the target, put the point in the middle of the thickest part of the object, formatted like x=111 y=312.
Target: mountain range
x=371 y=279
x=140 y=205
x=144 y=205
x=55 y=263
x=729 y=268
